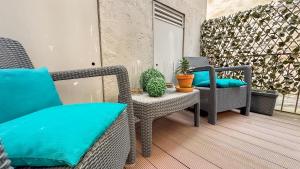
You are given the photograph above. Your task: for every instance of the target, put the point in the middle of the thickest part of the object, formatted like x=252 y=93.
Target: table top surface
x=170 y=94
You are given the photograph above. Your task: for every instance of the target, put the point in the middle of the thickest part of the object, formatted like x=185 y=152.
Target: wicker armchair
x=213 y=99
x=118 y=143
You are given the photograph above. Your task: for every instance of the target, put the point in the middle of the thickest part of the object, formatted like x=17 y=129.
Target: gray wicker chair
x=213 y=99
x=118 y=143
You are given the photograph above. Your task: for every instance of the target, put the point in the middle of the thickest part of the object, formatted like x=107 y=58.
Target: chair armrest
x=245 y=68
x=202 y=68
x=119 y=71
x=124 y=91
x=233 y=68
x=86 y=73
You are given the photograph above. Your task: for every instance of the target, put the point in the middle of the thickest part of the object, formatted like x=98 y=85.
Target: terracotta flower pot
x=185 y=80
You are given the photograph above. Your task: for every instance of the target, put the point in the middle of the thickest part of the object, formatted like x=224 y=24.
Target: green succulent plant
x=156 y=87
x=183 y=67
x=147 y=75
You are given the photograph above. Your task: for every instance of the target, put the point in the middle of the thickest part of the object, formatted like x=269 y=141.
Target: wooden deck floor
x=237 y=141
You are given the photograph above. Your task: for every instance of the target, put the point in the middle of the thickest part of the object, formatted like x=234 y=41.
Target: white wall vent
x=167 y=14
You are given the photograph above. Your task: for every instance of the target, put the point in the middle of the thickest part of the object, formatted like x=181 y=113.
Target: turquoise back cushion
x=200 y=77
x=57 y=136
x=223 y=83
x=23 y=91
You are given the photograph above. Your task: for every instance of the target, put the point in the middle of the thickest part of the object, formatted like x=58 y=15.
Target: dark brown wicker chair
x=118 y=143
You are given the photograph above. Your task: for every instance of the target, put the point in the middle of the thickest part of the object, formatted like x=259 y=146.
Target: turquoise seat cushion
x=223 y=83
x=201 y=77
x=24 y=91
x=57 y=136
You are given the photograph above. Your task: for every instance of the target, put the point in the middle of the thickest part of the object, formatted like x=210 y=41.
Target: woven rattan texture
x=13 y=55
x=148 y=109
x=213 y=99
x=4 y=162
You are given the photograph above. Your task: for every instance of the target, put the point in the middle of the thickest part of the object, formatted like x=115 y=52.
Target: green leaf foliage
x=156 y=87
x=183 y=67
x=147 y=75
x=266 y=37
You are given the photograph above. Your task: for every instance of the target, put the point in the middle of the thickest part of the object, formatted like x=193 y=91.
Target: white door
x=168 y=40
x=58 y=34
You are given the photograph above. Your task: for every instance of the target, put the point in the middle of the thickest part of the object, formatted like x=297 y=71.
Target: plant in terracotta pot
x=184 y=78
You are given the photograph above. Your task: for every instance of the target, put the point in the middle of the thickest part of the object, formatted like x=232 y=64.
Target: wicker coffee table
x=149 y=108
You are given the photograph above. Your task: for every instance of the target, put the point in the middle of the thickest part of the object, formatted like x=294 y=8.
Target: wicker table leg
x=196 y=114
x=146 y=132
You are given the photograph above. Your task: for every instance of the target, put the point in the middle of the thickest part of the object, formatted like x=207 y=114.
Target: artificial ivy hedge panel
x=266 y=37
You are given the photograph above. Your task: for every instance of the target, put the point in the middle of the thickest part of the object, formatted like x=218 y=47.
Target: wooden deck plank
x=236 y=141
x=190 y=159
x=252 y=124
x=265 y=122
x=276 y=125
x=293 y=120
x=162 y=160
x=229 y=153
x=259 y=142
x=141 y=162
x=205 y=151
x=263 y=128
x=251 y=131
x=250 y=148
x=254 y=150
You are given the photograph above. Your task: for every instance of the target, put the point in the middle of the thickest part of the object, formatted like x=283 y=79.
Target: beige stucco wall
x=217 y=8
x=127 y=32
x=63 y=35
x=58 y=34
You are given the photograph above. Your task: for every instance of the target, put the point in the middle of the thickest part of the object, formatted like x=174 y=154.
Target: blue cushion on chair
x=57 y=136
x=24 y=91
x=223 y=83
x=236 y=82
x=201 y=77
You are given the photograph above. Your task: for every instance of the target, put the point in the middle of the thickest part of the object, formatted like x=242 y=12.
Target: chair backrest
x=198 y=61
x=13 y=55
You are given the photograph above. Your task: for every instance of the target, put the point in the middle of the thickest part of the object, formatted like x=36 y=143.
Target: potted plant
x=184 y=78
x=263 y=102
